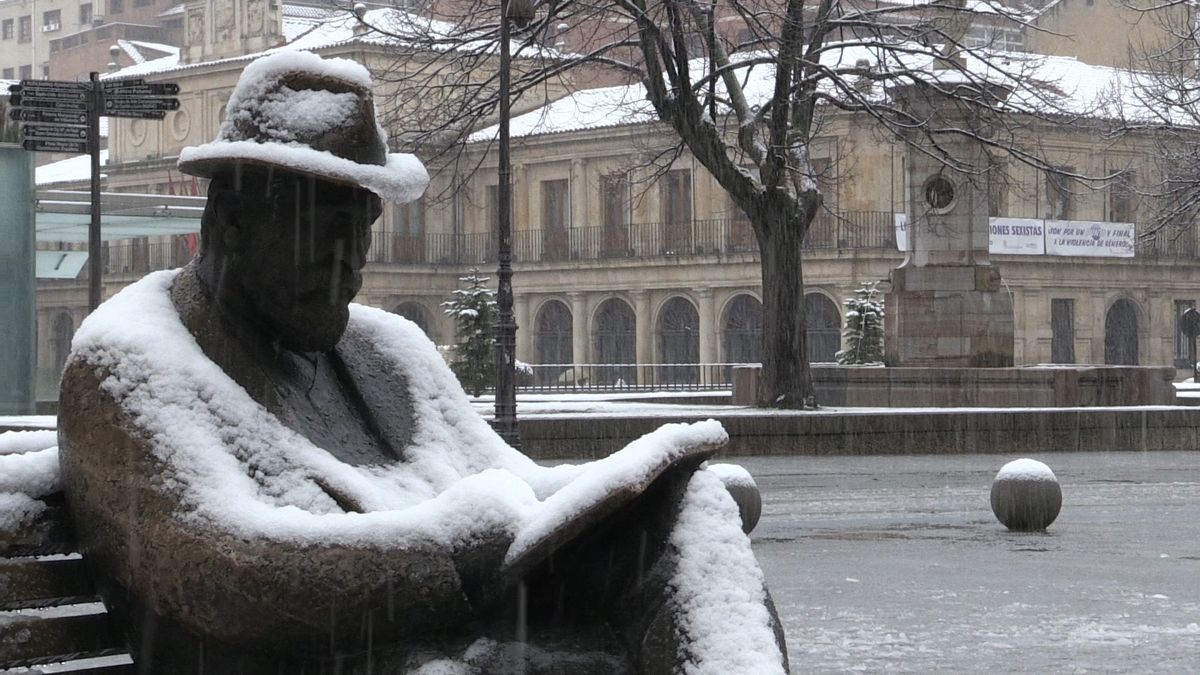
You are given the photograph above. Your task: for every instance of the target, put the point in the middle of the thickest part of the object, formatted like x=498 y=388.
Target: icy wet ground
x=897 y=564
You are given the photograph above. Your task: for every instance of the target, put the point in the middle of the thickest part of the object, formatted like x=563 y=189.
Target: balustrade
x=699 y=238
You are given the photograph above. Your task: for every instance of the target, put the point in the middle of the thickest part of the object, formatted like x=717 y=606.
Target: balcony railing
x=846 y=231
x=860 y=230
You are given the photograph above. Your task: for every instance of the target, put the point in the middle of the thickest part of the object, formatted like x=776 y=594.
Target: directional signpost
x=64 y=116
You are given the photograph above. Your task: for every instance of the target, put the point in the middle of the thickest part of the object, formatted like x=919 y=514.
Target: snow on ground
x=896 y=564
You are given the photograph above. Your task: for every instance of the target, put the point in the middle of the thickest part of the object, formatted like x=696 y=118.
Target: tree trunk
x=786 y=380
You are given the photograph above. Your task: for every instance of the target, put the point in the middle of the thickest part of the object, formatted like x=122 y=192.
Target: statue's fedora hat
x=297 y=111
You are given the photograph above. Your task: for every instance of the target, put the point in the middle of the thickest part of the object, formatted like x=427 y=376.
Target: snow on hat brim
x=402 y=179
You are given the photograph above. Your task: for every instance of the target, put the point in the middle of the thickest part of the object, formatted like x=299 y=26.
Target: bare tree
x=1160 y=104
x=745 y=86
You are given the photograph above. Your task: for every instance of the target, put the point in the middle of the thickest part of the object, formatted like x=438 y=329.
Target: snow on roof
x=315 y=29
x=160 y=47
x=137 y=50
x=1044 y=84
x=587 y=109
x=177 y=8
x=70 y=170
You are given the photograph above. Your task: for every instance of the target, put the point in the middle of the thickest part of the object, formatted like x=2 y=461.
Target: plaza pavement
x=896 y=564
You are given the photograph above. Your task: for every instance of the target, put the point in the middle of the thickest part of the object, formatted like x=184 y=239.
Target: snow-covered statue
x=270 y=479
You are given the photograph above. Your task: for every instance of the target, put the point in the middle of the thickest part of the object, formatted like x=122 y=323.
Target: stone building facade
x=622 y=258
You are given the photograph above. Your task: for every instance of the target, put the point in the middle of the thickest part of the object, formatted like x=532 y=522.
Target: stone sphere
x=744 y=490
x=1026 y=496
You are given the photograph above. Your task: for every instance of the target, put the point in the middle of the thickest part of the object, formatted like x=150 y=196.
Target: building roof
x=313 y=29
x=1049 y=85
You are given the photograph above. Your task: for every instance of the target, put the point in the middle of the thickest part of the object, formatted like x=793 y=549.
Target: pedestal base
x=948 y=316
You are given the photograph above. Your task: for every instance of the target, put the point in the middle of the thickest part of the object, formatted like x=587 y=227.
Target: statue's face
x=298 y=249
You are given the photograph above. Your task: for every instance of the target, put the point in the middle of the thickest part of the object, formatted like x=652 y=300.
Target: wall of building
x=1104 y=32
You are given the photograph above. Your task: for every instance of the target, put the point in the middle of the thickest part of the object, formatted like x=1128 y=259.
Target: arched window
x=741 y=331
x=415 y=313
x=824 y=328
x=63 y=331
x=552 y=340
x=615 y=342
x=678 y=342
x=1121 y=334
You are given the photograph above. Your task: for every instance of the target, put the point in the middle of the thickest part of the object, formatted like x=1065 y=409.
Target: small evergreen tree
x=473 y=309
x=864 y=328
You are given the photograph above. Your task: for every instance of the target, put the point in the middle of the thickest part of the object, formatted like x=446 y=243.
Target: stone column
x=580 y=344
x=523 y=311
x=645 y=336
x=947 y=306
x=1098 y=311
x=708 y=341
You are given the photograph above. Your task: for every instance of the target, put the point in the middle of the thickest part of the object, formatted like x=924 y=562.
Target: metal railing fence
x=626 y=377
x=859 y=230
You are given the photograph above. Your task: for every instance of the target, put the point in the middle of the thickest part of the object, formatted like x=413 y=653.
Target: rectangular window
x=51 y=20
x=6 y=29
x=1062 y=330
x=409 y=218
x=25 y=28
x=408 y=232
x=9 y=73
x=556 y=216
x=1183 y=357
x=1122 y=198
x=555 y=204
x=116 y=6
x=142 y=3
x=85 y=14
x=998 y=190
x=492 y=208
x=1058 y=194
x=675 y=198
x=26 y=72
x=614 y=205
x=614 y=197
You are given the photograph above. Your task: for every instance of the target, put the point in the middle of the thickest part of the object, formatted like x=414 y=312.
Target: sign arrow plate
x=140 y=103
x=53 y=131
x=30 y=86
x=55 y=145
x=55 y=116
x=152 y=89
x=22 y=101
x=54 y=95
x=117 y=84
x=136 y=114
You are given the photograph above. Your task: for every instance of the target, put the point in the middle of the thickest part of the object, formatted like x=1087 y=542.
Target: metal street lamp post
x=519 y=13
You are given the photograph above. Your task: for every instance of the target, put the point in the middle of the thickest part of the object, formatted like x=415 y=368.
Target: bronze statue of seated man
x=268 y=478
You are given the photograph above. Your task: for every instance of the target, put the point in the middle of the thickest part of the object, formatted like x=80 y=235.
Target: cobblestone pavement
x=897 y=564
